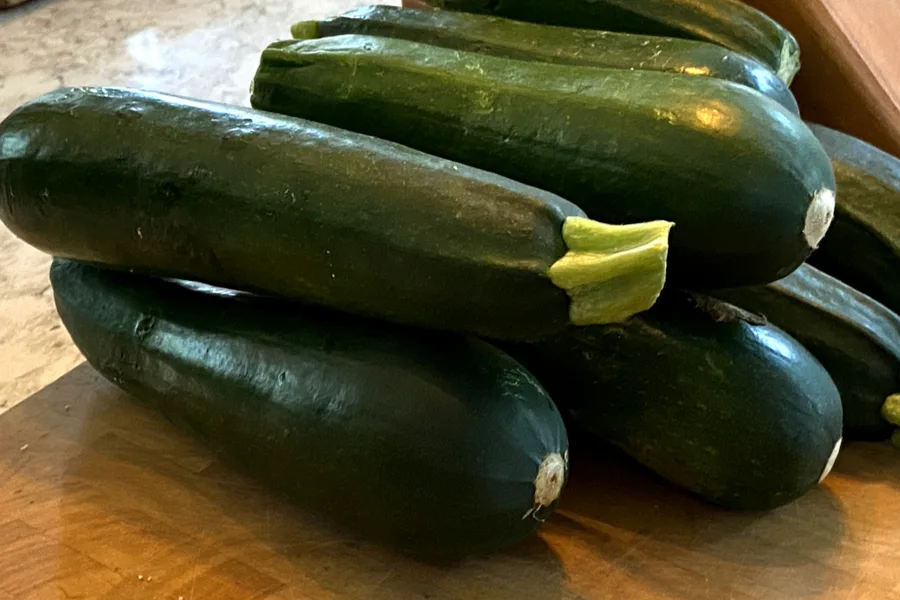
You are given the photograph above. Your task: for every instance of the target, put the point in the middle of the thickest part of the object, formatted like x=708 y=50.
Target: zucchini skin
x=862 y=247
x=521 y=40
x=735 y=171
x=855 y=338
x=729 y=23
x=739 y=414
x=427 y=442
x=248 y=200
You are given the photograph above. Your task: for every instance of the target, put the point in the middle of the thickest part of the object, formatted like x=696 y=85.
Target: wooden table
x=102 y=498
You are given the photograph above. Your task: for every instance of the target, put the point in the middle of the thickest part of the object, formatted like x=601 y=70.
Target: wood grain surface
x=101 y=498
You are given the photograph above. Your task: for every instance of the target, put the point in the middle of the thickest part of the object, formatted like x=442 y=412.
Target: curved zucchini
x=433 y=443
x=855 y=338
x=729 y=23
x=746 y=183
x=526 y=41
x=737 y=412
x=863 y=246
x=249 y=200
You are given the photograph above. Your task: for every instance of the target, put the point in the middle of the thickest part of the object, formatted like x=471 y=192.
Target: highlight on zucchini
x=521 y=40
x=265 y=203
x=748 y=185
x=728 y=23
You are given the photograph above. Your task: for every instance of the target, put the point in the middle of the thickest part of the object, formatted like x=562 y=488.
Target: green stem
x=790 y=63
x=305 y=30
x=896 y=438
x=611 y=272
x=891 y=409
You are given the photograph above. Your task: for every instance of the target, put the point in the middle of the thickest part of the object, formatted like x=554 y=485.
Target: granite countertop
x=203 y=48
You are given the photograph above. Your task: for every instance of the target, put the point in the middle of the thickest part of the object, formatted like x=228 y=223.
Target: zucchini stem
x=305 y=30
x=789 y=65
x=819 y=216
x=831 y=460
x=548 y=484
x=611 y=272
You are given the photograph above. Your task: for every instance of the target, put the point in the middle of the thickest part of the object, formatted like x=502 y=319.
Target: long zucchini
x=731 y=24
x=855 y=338
x=249 y=200
x=746 y=183
x=863 y=246
x=434 y=443
x=735 y=411
x=527 y=41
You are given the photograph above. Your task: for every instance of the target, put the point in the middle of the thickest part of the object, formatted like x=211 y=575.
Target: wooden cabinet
x=850 y=75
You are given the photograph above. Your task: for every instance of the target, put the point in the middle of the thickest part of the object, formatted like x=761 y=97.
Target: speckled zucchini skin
x=428 y=442
x=731 y=24
x=735 y=171
x=856 y=338
x=560 y=45
x=733 y=410
x=256 y=201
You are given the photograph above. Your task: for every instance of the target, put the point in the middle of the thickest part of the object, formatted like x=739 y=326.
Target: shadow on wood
x=133 y=506
x=679 y=546
x=105 y=499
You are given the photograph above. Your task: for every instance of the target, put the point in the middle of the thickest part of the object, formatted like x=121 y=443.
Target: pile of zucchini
x=439 y=238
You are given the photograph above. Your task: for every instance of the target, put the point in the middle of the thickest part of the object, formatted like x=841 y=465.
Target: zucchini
x=746 y=183
x=526 y=41
x=248 y=200
x=891 y=412
x=891 y=409
x=435 y=444
x=729 y=23
x=855 y=338
x=734 y=411
x=862 y=248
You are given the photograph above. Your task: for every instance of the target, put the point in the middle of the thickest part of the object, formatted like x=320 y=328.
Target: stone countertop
x=203 y=48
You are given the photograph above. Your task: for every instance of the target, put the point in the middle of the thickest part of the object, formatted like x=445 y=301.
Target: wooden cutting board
x=101 y=498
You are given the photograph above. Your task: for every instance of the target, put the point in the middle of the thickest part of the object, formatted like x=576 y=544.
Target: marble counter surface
x=203 y=48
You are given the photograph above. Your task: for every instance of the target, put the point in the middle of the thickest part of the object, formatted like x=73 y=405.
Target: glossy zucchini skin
x=734 y=411
x=250 y=200
x=427 y=442
x=729 y=23
x=736 y=172
x=855 y=338
x=862 y=247
x=561 y=45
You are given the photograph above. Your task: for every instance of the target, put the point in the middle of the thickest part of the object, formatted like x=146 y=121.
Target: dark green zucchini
x=728 y=23
x=255 y=201
x=735 y=411
x=526 y=41
x=746 y=183
x=434 y=443
x=862 y=248
x=855 y=338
